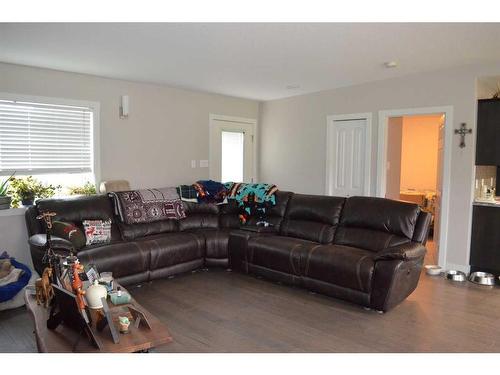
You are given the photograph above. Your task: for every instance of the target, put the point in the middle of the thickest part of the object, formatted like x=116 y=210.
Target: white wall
x=293 y=132
x=166 y=129
x=14 y=235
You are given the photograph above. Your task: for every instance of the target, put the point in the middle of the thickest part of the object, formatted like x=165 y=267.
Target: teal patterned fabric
x=263 y=192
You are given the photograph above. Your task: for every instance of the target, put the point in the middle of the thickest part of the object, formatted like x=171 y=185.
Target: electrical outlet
x=193 y=163
x=203 y=163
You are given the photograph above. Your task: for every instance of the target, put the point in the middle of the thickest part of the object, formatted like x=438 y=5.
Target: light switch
x=203 y=163
x=193 y=163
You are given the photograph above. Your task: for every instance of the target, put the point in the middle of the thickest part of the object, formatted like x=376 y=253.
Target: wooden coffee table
x=62 y=339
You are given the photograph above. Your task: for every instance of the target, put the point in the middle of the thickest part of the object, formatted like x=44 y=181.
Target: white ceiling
x=256 y=61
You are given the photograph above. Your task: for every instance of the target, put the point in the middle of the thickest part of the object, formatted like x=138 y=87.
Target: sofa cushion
x=77 y=209
x=216 y=242
x=97 y=231
x=200 y=215
x=340 y=265
x=422 y=226
x=229 y=214
x=276 y=213
x=368 y=239
x=376 y=223
x=282 y=200
x=133 y=231
x=312 y=217
x=278 y=253
x=381 y=214
x=70 y=232
x=121 y=258
x=168 y=249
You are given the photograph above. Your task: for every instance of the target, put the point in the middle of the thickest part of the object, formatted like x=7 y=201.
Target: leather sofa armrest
x=407 y=251
x=40 y=240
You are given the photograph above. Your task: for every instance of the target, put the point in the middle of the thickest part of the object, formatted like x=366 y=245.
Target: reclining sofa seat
x=136 y=253
x=365 y=250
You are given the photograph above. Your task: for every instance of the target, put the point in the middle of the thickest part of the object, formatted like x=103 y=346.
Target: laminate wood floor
x=218 y=311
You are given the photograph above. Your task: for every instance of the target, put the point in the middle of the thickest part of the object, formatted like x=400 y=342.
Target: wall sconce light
x=124 y=107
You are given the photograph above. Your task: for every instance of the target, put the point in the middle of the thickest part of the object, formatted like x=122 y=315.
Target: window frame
x=96 y=126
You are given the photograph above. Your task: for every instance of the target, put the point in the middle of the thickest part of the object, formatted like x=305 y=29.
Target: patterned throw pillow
x=70 y=232
x=97 y=231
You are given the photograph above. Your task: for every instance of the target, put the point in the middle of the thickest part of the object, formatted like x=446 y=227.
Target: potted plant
x=87 y=189
x=26 y=190
x=5 y=199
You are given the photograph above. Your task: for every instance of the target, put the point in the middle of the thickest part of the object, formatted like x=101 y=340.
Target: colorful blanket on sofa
x=263 y=196
x=210 y=191
x=148 y=205
x=187 y=193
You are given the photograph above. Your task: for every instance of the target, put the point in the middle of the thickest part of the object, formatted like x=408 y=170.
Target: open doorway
x=430 y=151
x=414 y=166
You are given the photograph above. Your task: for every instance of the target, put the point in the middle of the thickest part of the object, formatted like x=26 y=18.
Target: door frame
x=367 y=116
x=242 y=120
x=383 y=117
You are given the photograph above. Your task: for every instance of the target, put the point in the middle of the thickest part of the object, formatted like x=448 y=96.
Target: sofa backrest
x=276 y=213
x=312 y=217
x=421 y=232
x=229 y=215
x=376 y=223
x=200 y=215
x=33 y=225
x=78 y=209
x=132 y=231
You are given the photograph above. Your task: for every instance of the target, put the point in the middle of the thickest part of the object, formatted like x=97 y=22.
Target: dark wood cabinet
x=485 y=239
x=488 y=132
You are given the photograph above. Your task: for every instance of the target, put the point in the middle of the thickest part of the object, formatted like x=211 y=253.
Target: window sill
x=13 y=212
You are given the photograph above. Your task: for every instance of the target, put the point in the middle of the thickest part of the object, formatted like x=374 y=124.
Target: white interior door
x=348 y=157
x=231 y=150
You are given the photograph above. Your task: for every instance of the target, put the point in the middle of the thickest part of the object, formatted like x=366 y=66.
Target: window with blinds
x=37 y=138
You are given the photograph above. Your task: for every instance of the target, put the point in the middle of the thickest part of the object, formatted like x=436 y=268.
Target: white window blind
x=38 y=138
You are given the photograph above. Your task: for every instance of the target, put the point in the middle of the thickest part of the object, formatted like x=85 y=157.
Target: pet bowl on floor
x=482 y=278
x=455 y=275
x=433 y=270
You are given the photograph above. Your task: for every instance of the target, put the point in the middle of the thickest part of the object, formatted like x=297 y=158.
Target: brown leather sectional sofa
x=365 y=250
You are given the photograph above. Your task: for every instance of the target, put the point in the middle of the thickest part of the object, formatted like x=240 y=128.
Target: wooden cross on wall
x=463 y=131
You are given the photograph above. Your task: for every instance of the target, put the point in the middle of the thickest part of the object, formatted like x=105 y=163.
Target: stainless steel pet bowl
x=455 y=275
x=482 y=278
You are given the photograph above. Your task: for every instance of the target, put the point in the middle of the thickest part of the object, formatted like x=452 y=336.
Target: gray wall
x=293 y=136
x=167 y=128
